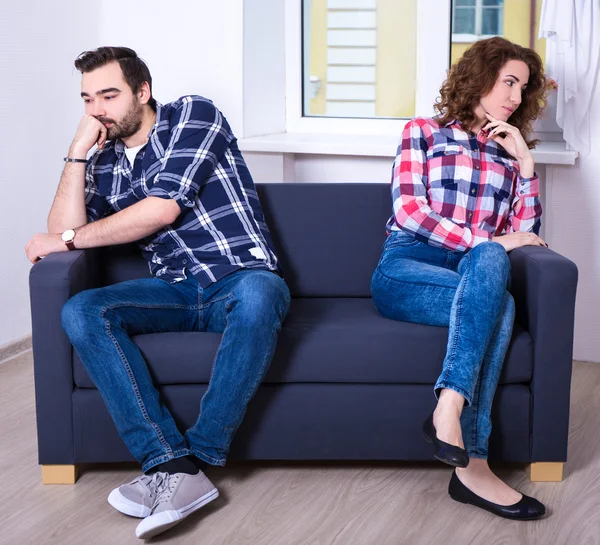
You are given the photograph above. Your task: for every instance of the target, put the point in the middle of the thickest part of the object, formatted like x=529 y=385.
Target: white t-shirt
x=132 y=152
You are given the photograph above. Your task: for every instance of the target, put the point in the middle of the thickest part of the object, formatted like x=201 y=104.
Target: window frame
x=433 y=61
x=463 y=38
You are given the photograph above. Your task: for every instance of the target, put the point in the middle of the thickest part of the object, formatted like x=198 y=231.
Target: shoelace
x=164 y=485
x=154 y=482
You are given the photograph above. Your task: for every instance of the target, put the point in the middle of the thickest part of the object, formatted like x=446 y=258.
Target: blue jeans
x=247 y=306
x=466 y=292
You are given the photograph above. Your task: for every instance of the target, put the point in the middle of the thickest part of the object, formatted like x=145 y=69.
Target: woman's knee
x=492 y=259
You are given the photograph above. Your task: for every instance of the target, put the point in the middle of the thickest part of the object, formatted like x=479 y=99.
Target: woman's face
x=505 y=97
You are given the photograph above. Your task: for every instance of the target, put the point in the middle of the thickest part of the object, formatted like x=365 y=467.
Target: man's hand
x=516 y=240
x=89 y=132
x=43 y=244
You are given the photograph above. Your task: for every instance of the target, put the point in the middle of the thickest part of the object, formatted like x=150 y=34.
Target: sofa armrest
x=52 y=281
x=544 y=286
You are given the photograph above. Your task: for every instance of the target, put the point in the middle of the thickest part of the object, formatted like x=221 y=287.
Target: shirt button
x=470 y=214
x=477 y=167
x=184 y=261
x=473 y=191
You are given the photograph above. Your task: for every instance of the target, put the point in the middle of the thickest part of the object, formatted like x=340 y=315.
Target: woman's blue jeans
x=247 y=307
x=466 y=292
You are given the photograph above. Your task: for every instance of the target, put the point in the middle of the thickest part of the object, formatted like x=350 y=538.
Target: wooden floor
x=283 y=504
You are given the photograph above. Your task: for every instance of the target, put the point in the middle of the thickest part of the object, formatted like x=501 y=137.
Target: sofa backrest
x=328 y=237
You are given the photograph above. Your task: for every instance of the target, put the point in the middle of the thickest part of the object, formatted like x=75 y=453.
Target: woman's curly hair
x=475 y=74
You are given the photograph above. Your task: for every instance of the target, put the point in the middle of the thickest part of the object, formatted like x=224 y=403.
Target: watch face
x=68 y=235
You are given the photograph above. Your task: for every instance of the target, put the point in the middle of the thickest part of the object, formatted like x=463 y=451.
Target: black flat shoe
x=444 y=452
x=526 y=509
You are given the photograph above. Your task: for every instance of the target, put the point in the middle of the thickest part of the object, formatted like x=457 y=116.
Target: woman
x=464 y=194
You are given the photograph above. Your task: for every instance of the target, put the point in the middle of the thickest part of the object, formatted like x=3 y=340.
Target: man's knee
x=261 y=293
x=78 y=314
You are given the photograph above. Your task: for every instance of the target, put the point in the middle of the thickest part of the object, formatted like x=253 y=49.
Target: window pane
x=497 y=17
x=491 y=22
x=359 y=58
x=464 y=21
x=464 y=3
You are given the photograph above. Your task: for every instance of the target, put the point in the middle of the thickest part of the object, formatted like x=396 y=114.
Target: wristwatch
x=68 y=237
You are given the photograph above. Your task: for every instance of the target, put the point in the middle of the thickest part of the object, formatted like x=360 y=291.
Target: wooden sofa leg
x=59 y=474
x=546 y=471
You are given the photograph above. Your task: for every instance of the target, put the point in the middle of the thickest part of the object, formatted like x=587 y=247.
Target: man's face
x=108 y=97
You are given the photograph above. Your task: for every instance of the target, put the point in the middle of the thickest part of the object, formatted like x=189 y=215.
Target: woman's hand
x=513 y=142
x=516 y=240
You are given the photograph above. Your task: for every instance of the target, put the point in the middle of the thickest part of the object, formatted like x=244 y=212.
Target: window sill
x=549 y=153
x=470 y=38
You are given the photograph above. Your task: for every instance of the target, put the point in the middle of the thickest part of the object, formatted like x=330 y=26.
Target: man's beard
x=128 y=126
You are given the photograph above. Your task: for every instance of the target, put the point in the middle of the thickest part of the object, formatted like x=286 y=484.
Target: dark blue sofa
x=345 y=383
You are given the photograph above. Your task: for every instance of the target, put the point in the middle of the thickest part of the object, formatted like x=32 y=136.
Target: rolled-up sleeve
x=96 y=205
x=199 y=138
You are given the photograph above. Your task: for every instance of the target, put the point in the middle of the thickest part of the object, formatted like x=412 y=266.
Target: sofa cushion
x=343 y=340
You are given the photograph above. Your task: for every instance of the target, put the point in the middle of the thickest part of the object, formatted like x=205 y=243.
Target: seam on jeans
x=476 y=431
x=461 y=287
x=209 y=459
x=145 y=305
x=165 y=458
x=443 y=383
x=129 y=371
x=212 y=301
x=428 y=284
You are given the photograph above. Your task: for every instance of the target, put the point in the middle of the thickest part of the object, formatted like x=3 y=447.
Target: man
x=172 y=178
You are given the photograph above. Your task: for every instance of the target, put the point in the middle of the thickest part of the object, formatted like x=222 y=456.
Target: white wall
x=573 y=229
x=193 y=47
x=37 y=120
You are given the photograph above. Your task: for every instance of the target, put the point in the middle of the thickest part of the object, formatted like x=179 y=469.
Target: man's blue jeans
x=466 y=292
x=247 y=306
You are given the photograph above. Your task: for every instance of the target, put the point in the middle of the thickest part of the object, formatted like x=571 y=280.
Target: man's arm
x=134 y=223
x=69 y=207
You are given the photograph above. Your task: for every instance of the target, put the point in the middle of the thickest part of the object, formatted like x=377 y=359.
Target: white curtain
x=572 y=32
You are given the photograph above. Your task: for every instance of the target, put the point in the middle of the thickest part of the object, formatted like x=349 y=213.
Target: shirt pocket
x=500 y=181
x=501 y=174
x=450 y=169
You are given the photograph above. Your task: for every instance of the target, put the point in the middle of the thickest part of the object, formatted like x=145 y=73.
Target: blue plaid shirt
x=191 y=157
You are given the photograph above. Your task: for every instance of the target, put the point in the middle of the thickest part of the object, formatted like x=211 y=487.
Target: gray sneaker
x=137 y=497
x=178 y=495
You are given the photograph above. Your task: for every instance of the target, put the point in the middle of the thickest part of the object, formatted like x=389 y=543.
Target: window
x=384 y=60
x=474 y=19
x=358 y=64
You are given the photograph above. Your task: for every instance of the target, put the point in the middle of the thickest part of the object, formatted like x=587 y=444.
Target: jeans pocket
x=400 y=239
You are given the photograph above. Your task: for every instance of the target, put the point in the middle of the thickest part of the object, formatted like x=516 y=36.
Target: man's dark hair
x=135 y=71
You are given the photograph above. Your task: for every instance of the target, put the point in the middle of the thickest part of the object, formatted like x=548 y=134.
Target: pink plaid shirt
x=455 y=190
